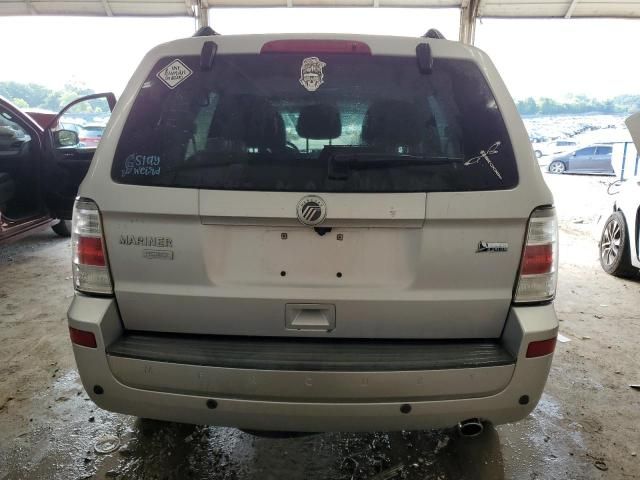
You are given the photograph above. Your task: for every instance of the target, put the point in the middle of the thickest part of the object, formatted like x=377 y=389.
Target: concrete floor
x=584 y=427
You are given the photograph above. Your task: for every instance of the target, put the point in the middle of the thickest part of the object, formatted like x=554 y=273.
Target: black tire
x=557 y=167
x=538 y=153
x=63 y=228
x=615 y=258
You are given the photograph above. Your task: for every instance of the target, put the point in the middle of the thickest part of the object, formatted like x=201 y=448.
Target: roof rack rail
x=205 y=32
x=434 y=33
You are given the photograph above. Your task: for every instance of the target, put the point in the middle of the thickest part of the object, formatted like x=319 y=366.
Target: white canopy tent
x=470 y=10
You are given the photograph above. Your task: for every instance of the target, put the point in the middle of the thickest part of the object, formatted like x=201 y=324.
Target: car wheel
x=614 y=247
x=557 y=167
x=538 y=153
x=63 y=228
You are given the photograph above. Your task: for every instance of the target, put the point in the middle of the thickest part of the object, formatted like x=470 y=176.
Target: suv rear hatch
x=315 y=188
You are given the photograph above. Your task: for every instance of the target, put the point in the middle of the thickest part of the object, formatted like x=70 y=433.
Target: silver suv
x=315 y=233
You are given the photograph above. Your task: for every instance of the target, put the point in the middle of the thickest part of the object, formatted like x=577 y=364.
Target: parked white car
x=315 y=233
x=620 y=238
x=554 y=148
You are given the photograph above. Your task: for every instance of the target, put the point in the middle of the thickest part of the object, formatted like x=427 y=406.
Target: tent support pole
x=202 y=13
x=468 y=18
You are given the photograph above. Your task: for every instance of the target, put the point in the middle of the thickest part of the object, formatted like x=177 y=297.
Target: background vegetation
x=31 y=95
x=579 y=104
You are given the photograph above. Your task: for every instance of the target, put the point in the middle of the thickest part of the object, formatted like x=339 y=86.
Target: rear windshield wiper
x=341 y=163
x=219 y=161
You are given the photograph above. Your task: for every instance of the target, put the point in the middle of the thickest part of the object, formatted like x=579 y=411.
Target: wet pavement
x=65 y=447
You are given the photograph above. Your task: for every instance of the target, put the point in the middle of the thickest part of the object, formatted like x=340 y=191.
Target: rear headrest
x=319 y=122
x=393 y=122
x=249 y=119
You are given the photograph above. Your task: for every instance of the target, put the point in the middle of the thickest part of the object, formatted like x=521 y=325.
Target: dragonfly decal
x=484 y=155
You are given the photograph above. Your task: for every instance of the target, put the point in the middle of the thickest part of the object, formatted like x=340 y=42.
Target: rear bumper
x=312 y=400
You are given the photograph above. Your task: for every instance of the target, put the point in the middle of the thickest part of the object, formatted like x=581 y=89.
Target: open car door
x=70 y=142
x=633 y=124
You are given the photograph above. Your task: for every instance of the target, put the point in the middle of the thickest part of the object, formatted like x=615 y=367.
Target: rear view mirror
x=65 y=138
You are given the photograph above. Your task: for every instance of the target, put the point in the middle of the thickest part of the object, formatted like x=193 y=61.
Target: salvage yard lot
x=584 y=427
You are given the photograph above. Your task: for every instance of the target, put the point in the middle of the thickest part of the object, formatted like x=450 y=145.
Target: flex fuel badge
x=174 y=74
x=311 y=74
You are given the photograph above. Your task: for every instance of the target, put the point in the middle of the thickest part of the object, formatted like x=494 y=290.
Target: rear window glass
x=332 y=123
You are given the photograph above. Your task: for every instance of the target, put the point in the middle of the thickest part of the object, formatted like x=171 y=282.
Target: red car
x=90 y=135
x=40 y=171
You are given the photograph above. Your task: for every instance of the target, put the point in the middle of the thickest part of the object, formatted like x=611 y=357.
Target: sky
x=536 y=58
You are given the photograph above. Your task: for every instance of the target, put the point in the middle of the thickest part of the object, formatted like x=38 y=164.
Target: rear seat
x=7 y=188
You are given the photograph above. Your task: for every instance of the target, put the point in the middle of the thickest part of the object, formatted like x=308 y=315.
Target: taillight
x=90 y=251
x=90 y=267
x=316 y=46
x=539 y=266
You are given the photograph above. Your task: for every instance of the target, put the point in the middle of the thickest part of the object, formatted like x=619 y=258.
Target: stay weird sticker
x=174 y=74
x=311 y=74
x=141 y=165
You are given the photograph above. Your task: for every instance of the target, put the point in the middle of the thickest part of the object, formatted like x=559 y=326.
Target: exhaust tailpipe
x=470 y=428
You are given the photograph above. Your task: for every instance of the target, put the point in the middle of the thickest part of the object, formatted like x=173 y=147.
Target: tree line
x=32 y=95
x=579 y=104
